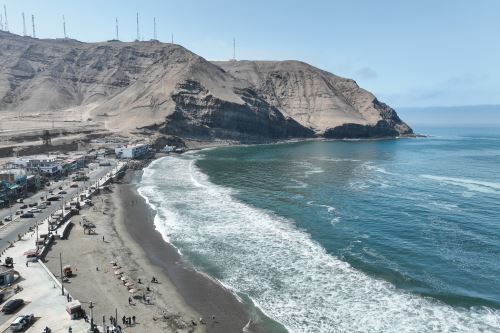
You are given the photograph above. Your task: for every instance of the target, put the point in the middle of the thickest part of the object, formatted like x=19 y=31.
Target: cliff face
x=123 y=86
x=330 y=105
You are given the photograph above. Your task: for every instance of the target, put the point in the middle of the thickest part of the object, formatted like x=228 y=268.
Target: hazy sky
x=409 y=53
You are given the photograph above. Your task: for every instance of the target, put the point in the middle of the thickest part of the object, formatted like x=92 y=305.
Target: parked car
x=19 y=212
x=74 y=185
x=19 y=200
x=21 y=322
x=23 y=207
x=63 y=192
x=12 y=305
x=53 y=198
x=42 y=206
x=8 y=218
x=28 y=215
x=35 y=210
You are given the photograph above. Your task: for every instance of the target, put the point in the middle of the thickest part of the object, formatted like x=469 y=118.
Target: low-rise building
x=132 y=151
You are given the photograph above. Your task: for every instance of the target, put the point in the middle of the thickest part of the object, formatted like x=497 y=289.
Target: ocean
x=395 y=235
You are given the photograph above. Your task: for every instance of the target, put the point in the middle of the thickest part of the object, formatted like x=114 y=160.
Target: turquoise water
x=345 y=236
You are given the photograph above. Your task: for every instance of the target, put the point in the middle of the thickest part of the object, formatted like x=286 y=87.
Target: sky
x=408 y=53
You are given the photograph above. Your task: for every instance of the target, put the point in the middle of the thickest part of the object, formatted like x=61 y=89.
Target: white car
x=42 y=206
x=21 y=322
x=35 y=210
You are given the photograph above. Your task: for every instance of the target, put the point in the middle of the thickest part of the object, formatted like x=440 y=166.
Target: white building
x=132 y=151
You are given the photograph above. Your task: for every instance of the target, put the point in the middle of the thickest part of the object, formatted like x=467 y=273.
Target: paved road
x=11 y=231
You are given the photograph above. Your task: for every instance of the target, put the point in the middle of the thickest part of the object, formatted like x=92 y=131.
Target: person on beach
x=129 y=300
x=133 y=319
x=123 y=320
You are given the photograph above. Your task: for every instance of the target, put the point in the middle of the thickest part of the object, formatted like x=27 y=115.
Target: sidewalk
x=41 y=293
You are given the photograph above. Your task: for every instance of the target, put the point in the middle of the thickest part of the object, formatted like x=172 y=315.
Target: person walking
x=133 y=320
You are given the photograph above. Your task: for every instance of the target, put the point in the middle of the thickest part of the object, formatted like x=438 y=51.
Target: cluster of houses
x=29 y=174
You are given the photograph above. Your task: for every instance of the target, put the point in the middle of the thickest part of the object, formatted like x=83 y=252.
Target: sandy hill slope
x=315 y=98
x=119 y=87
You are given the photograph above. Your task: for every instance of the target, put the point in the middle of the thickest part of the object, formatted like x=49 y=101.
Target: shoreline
x=201 y=293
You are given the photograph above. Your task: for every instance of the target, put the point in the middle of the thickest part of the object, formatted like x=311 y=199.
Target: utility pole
x=33 y=25
x=172 y=38
x=62 y=277
x=36 y=239
x=24 y=25
x=1 y=21
x=91 y=307
x=116 y=23
x=6 y=21
x=234 y=48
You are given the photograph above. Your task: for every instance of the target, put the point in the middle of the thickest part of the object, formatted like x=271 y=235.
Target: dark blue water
x=407 y=229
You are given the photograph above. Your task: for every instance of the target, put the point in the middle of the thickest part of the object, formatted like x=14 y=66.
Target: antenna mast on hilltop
x=24 y=25
x=116 y=22
x=6 y=21
x=154 y=26
x=137 y=19
x=33 y=25
x=172 y=37
x=234 y=48
x=64 y=27
x=1 y=21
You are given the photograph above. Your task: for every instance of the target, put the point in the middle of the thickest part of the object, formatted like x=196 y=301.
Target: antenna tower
x=234 y=48
x=33 y=25
x=137 y=20
x=172 y=38
x=154 y=26
x=24 y=25
x=6 y=21
x=1 y=21
x=64 y=27
x=116 y=22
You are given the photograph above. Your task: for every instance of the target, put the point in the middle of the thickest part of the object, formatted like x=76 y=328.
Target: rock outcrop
x=121 y=87
x=330 y=105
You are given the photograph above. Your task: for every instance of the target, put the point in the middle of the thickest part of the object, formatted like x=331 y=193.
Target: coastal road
x=11 y=231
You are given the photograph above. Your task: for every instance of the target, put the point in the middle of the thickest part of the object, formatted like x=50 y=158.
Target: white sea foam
x=330 y=209
x=470 y=184
x=287 y=274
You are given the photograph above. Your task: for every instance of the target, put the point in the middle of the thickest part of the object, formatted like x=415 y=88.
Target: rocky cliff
x=330 y=105
x=124 y=86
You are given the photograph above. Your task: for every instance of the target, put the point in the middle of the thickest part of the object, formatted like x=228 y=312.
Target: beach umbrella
x=118 y=272
x=132 y=291
x=124 y=278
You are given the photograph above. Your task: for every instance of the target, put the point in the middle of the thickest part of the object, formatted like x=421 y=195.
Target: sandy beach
x=125 y=233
